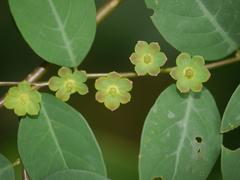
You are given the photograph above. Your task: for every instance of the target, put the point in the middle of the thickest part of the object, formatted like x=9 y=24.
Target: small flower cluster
x=112 y=89
x=68 y=83
x=23 y=99
x=147 y=58
x=190 y=73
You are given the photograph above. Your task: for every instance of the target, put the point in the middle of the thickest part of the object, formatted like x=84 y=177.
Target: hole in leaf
x=198 y=139
x=157 y=178
x=199 y=150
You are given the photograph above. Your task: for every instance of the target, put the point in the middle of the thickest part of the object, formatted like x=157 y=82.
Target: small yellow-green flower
x=68 y=83
x=23 y=99
x=190 y=73
x=147 y=58
x=113 y=90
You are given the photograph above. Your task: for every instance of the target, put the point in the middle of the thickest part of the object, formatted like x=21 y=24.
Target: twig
x=39 y=84
x=223 y=62
x=104 y=11
x=24 y=174
x=124 y=74
x=133 y=74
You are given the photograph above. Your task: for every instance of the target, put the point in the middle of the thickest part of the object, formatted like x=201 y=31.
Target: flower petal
x=183 y=86
x=141 y=69
x=153 y=48
x=101 y=83
x=63 y=95
x=113 y=76
x=64 y=72
x=100 y=96
x=183 y=59
x=203 y=75
x=82 y=89
x=160 y=59
x=199 y=60
x=80 y=76
x=154 y=71
x=20 y=110
x=197 y=87
x=33 y=108
x=135 y=58
x=10 y=102
x=125 y=84
x=141 y=47
x=175 y=74
x=112 y=103
x=55 y=83
x=125 y=97
x=35 y=97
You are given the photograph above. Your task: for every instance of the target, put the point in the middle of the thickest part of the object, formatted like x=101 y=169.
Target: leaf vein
x=51 y=130
x=63 y=33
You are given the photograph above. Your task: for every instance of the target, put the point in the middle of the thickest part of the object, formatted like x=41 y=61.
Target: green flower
x=113 y=90
x=23 y=99
x=147 y=58
x=190 y=73
x=68 y=83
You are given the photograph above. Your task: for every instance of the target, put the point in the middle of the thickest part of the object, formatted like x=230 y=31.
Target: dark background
x=118 y=132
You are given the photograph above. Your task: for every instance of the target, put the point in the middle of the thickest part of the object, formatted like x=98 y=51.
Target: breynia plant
x=142 y=91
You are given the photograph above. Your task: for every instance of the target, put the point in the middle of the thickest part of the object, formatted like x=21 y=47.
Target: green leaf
x=57 y=139
x=6 y=169
x=230 y=163
x=200 y=27
x=231 y=116
x=73 y=174
x=180 y=138
x=61 y=32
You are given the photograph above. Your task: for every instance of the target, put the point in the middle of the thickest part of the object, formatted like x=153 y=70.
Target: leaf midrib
x=216 y=25
x=183 y=135
x=63 y=33
x=54 y=137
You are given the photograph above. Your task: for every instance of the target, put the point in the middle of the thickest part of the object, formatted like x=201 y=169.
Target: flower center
x=113 y=90
x=70 y=85
x=24 y=98
x=147 y=59
x=188 y=73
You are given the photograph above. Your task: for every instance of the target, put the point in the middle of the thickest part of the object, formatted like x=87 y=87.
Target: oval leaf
x=180 y=138
x=231 y=116
x=200 y=27
x=61 y=32
x=75 y=175
x=6 y=169
x=57 y=139
x=230 y=164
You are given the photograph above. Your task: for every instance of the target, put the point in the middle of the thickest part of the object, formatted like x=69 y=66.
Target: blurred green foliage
x=117 y=132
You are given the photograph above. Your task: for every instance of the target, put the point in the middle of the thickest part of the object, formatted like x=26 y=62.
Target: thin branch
x=24 y=175
x=223 y=62
x=38 y=84
x=104 y=11
x=133 y=74
x=39 y=71
x=124 y=74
